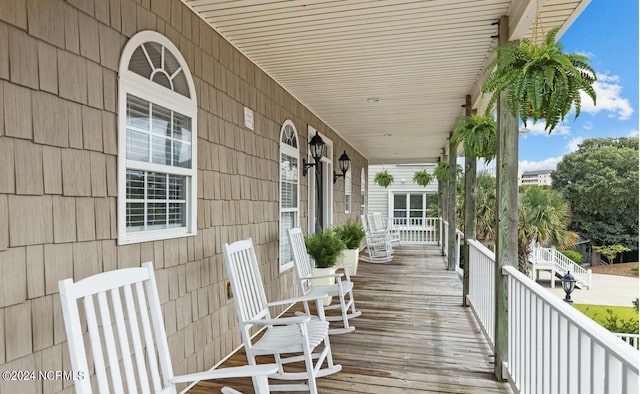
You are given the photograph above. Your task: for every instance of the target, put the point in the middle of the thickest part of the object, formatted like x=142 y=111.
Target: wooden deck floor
x=413 y=336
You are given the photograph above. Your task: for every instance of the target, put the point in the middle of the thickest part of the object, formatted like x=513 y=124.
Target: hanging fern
x=478 y=133
x=441 y=172
x=383 y=178
x=422 y=178
x=540 y=81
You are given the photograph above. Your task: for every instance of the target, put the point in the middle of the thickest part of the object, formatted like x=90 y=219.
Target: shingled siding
x=58 y=184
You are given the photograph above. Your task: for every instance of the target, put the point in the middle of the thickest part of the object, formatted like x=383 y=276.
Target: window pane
x=139 y=63
x=289 y=181
x=161 y=121
x=347 y=203
x=415 y=201
x=177 y=187
x=135 y=216
x=399 y=213
x=287 y=221
x=177 y=214
x=181 y=127
x=156 y=186
x=415 y=214
x=162 y=79
x=182 y=155
x=180 y=84
x=154 y=50
x=400 y=201
x=137 y=112
x=137 y=146
x=161 y=148
x=156 y=216
x=135 y=185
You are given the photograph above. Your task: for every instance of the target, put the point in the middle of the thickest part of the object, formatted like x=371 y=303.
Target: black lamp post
x=568 y=285
x=317 y=147
x=344 y=163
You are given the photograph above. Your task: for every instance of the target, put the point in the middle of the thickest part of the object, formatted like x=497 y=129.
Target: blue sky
x=607 y=32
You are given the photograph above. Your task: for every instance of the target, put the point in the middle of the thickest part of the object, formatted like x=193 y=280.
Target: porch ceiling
x=420 y=58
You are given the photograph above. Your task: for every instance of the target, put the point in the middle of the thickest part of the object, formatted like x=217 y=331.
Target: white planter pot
x=350 y=258
x=324 y=281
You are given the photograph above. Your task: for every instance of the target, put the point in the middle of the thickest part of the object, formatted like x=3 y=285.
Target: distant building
x=539 y=178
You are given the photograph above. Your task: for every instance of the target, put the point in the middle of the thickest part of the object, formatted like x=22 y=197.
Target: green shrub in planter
x=351 y=234
x=324 y=248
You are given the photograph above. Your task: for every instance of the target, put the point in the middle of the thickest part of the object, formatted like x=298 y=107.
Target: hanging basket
x=383 y=178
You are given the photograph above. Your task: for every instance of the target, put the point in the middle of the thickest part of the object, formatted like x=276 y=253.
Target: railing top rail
x=482 y=249
x=588 y=326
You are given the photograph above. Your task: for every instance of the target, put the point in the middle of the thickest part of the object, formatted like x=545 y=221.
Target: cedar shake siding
x=59 y=64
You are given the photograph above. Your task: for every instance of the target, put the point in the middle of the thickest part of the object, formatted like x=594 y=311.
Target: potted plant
x=351 y=234
x=539 y=80
x=383 y=178
x=478 y=134
x=324 y=248
x=422 y=177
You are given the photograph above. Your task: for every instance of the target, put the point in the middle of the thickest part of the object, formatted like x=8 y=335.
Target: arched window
x=363 y=185
x=157 y=150
x=289 y=189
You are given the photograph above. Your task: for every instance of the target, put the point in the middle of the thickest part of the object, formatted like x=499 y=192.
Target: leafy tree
x=485 y=207
x=543 y=216
x=610 y=251
x=600 y=181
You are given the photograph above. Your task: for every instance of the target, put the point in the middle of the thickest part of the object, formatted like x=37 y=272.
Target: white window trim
x=347 y=192
x=393 y=192
x=132 y=83
x=293 y=152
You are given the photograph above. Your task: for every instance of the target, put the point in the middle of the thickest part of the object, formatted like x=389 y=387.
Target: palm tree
x=543 y=216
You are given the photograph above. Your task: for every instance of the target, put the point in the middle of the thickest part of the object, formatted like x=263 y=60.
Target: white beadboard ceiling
x=420 y=58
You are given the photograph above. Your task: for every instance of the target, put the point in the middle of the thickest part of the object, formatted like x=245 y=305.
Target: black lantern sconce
x=344 y=163
x=568 y=285
x=317 y=147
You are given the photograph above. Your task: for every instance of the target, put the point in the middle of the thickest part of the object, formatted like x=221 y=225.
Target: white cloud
x=546 y=164
x=538 y=128
x=634 y=133
x=587 y=125
x=608 y=98
x=573 y=144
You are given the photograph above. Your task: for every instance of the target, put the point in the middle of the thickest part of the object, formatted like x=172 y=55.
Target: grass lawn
x=599 y=312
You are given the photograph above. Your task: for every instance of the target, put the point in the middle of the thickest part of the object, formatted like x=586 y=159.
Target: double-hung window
x=157 y=150
x=347 y=192
x=363 y=183
x=289 y=190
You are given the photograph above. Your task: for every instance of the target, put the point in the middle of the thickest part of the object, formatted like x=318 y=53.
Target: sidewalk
x=605 y=289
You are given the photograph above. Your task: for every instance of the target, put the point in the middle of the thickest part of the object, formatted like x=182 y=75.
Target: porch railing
x=631 y=339
x=552 y=348
x=444 y=225
x=416 y=231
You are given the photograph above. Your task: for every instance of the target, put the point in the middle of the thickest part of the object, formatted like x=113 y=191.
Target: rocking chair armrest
x=224 y=373
x=336 y=275
x=303 y=298
x=281 y=321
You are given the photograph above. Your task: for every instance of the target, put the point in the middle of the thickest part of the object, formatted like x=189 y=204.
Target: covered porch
x=414 y=335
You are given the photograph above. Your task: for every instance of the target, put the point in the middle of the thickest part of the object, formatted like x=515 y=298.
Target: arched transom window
x=157 y=151
x=289 y=189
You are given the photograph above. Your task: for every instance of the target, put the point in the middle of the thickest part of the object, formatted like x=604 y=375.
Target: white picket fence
x=552 y=347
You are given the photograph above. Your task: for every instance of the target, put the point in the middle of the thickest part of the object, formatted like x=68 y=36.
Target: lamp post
x=344 y=163
x=568 y=285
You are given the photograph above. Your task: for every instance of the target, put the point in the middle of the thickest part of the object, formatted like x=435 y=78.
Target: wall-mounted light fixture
x=317 y=147
x=344 y=163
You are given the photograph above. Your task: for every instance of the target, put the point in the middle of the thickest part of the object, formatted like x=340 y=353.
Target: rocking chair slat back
x=108 y=290
x=246 y=282
x=300 y=256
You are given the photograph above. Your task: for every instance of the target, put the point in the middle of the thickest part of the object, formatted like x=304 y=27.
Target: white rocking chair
x=381 y=225
x=379 y=248
x=143 y=370
x=296 y=336
x=342 y=289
